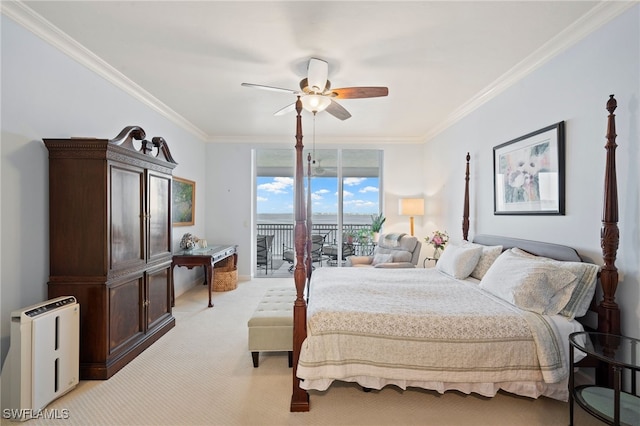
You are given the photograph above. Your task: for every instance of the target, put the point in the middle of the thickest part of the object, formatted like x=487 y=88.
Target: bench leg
x=256 y=357
x=290 y=359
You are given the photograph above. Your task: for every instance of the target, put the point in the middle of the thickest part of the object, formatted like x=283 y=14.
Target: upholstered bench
x=271 y=325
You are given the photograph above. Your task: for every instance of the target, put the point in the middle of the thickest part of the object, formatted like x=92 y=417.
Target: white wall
x=47 y=94
x=573 y=87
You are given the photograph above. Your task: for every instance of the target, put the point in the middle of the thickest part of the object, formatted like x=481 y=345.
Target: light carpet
x=200 y=373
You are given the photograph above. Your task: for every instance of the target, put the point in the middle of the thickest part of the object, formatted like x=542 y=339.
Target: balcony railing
x=283 y=233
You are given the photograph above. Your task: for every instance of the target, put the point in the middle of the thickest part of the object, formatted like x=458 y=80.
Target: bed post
x=465 y=211
x=608 y=311
x=299 y=397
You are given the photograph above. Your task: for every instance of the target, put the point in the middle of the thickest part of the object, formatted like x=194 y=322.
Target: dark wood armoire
x=110 y=243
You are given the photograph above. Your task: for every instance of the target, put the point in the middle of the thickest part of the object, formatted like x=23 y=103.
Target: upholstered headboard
x=554 y=251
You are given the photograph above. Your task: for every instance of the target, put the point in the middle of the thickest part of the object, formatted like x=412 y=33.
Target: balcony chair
x=392 y=251
x=317 y=244
x=264 y=256
x=331 y=251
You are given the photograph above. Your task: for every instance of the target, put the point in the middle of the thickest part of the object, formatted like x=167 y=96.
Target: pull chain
x=314 y=137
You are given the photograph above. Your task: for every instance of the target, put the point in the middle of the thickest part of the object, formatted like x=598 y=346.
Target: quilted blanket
x=419 y=325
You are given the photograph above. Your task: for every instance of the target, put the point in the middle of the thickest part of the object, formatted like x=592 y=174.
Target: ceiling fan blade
x=272 y=88
x=289 y=108
x=317 y=73
x=337 y=110
x=360 y=92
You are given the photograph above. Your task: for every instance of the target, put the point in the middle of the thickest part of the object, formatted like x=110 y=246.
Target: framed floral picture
x=528 y=173
x=183 y=206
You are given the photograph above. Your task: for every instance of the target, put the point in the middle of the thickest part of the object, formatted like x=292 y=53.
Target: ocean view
x=348 y=219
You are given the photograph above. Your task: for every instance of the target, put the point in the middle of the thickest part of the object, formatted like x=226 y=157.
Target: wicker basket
x=225 y=275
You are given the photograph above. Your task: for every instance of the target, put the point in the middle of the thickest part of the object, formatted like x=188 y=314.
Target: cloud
x=352 y=181
x=259 y=199
x=280 y=185
x=368 y=189
x=346 y=194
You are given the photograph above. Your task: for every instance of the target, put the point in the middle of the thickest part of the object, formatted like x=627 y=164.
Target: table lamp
x=411 y=207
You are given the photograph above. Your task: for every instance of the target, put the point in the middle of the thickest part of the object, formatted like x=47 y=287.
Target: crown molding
x=598 y=16
x=29 y=19
x=337 y=140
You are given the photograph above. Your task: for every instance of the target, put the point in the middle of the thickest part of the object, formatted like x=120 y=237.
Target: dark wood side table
x=205 y=257
x=612 y=406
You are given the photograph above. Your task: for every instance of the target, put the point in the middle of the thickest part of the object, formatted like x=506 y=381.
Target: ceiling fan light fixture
x=315 y=103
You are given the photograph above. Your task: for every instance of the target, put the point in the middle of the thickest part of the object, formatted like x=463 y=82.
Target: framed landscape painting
x=184 y=202
x=528 y=173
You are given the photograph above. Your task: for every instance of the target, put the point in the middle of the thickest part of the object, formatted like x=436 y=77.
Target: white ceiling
x=439 y=59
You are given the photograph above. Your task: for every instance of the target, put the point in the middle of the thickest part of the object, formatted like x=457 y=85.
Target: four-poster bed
x=334 y=329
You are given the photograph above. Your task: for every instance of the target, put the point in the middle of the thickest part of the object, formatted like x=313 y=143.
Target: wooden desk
x=205 y=257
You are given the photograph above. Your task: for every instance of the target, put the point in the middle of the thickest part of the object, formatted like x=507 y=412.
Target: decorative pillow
x=458 y=260
x=584 y=286
x=382 y=258
x=487 y=257
x=528 y=283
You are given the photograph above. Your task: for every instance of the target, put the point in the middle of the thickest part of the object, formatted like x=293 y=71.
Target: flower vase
x=436 y=253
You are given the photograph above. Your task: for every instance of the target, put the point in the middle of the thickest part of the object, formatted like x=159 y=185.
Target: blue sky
x=361 y=195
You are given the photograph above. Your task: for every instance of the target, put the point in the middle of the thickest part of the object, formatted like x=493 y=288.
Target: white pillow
x=584 y=286
x=487 y=257
x=528 y=283
x=458 y=260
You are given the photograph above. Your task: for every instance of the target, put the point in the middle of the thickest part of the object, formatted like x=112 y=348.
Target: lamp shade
x=315 y=103
x=411 y=207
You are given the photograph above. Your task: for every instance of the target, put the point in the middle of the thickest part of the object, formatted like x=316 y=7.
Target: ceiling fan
x=317 y=95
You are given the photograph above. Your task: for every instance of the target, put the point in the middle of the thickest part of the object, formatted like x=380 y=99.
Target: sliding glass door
x=345 y=191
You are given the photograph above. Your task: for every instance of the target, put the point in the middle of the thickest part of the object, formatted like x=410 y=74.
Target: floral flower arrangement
x=189 y=242
x=438 y=240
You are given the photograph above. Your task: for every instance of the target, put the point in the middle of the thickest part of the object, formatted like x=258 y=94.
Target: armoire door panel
x=158 y=296
x=159 y=215
x=126 y=302
x=127 y=217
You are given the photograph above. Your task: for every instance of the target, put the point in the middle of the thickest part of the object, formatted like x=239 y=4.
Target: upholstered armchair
x=392 y=251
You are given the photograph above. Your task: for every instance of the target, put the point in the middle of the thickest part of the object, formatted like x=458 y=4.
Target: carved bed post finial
x=299 y=397
x=608 y=311
x=465 y=213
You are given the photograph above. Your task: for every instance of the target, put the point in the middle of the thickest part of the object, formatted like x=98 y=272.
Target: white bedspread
x=418 y=327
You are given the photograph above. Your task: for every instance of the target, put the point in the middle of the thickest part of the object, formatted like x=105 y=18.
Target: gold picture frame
x=183 y=203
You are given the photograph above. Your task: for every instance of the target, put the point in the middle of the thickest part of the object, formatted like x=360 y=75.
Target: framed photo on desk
x=183 y=202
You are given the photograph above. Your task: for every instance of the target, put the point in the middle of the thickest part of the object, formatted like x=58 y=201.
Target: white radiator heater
x=43 y=359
